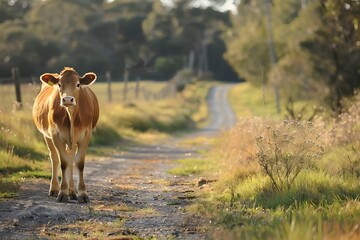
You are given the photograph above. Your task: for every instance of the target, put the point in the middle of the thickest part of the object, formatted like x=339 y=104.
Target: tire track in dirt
x=131 y=193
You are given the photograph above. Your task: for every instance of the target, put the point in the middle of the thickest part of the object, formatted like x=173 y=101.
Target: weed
x=286 y=150
x=8 y=189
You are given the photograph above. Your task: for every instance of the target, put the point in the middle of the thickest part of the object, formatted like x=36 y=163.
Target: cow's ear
x=88 y=78
x=50 y=78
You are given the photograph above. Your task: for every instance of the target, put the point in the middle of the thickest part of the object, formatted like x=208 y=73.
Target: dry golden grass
x=321 y=203
x=237 y=149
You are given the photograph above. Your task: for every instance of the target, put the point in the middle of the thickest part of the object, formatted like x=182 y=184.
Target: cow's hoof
x=83 y=199
x=73 y=196
x=62 y=197
x=53 y=193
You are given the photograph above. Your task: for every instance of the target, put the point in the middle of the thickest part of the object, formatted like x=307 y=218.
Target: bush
x=285 y=150
x=344 y=137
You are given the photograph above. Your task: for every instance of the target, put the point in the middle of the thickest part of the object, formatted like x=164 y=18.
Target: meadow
x=140 y=119
x=280 y=178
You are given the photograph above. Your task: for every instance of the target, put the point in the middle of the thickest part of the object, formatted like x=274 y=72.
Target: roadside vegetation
x=282 y=178
x=23 y=153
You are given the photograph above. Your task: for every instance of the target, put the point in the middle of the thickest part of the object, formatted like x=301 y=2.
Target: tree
x=184 y=32
x=316 y=42
x=247 y=49
x=14 y=9
x=337 y=40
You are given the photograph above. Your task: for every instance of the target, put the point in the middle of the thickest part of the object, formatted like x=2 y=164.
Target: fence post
x=126 y=79
x=16 y=78
x=108 y=80
x=137 y=88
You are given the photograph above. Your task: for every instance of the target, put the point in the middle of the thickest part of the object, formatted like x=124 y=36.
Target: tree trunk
x=273 y=57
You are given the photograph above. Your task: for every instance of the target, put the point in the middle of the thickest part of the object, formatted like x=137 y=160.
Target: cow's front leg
x=72 y=193
x=65 y=160
x=54 y=157
x=80 y=163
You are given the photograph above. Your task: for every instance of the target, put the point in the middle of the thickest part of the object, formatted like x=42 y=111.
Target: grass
x=94 y=229
x=23 y=153
x=322 y=201
x=248 y=100
x=191 y=166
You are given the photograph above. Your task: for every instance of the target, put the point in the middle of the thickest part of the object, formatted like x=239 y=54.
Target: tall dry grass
x=272 y=146
x=319 y=166
x=237 y=150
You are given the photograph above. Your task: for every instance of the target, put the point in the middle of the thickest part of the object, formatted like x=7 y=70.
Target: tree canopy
x=101 y=36
x=315 y=45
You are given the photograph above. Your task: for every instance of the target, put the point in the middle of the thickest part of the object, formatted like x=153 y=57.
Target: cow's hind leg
x=54 y=157
x=80 y=163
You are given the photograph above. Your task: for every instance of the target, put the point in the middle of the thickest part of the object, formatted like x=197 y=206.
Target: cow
x=66 y=111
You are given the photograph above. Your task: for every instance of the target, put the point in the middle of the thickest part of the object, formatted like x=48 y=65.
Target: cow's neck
x=71 y=113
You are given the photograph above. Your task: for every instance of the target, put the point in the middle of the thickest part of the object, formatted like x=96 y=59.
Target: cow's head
x=69 y=84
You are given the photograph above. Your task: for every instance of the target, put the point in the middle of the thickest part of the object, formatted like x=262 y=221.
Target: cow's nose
x=68 y=101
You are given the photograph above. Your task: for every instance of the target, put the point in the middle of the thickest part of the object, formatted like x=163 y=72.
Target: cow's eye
x=78 y=85
x=59 y=85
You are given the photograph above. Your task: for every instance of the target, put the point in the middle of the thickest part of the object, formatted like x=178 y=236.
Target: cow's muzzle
x=68 y=101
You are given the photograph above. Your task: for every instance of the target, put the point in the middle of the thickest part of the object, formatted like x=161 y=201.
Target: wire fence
x=15 y=91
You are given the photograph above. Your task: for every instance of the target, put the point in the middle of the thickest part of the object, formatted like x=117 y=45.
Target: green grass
x=191 y=166
x=8 y=188
x=343 y=159
x=248 y=100
x=253 y=210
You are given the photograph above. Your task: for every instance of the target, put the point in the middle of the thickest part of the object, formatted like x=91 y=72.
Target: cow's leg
x=54 y=157
x=80 y=163
x=72 y=193
x=66 y=160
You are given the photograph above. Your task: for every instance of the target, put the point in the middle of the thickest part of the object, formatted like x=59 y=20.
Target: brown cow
x=65 y=112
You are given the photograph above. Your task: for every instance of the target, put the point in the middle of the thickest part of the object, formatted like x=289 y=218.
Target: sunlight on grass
x=247 y=100
x=95 y=229
x=198 y=141
x=191 y=166
x=321 y=202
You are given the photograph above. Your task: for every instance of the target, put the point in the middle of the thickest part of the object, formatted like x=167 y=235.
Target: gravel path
x=131 y=192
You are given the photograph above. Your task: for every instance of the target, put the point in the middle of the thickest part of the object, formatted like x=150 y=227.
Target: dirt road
x=131 y=192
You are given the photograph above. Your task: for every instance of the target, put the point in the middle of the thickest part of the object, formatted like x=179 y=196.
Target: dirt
x=131 y=193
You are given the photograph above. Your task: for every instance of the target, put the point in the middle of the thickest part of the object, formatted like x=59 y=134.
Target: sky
x=229 y=5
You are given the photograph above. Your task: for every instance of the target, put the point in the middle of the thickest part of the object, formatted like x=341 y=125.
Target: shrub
x=287 y=149
x=343 y=138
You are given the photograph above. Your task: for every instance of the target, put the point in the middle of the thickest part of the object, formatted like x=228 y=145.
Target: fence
x=139 y=90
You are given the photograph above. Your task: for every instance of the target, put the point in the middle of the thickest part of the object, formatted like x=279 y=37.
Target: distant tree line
x=303 y=48
x=143 y=36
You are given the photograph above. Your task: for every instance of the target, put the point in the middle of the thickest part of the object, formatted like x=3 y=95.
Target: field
x=270 y=177
x=281 y=179
x=23 y=153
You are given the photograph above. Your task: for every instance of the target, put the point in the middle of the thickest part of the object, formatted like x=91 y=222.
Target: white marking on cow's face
x=69 y=89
